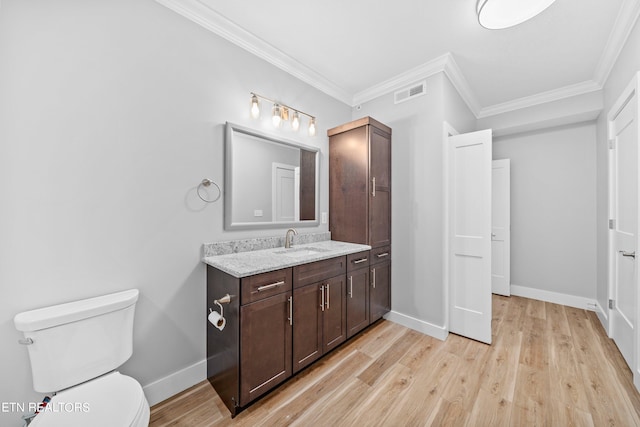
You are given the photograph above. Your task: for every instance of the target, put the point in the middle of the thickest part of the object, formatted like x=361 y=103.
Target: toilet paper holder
x=224 y=300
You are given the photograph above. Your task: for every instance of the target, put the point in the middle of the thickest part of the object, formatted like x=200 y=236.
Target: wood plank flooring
x=549 y=365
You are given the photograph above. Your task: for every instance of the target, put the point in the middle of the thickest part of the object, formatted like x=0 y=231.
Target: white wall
x=627 y=65
x=111 y=113
x=553 y=208
x=417 y=195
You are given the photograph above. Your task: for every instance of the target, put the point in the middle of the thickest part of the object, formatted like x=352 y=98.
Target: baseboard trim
x=426 y=328
x=555 y=297
x=176 y=382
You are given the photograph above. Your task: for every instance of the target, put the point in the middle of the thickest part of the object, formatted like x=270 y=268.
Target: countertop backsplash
x=256 y=244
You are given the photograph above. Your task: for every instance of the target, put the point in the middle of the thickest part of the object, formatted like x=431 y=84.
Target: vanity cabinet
x=357 y=292
x=360 y=182
x=319 y=311
x=360 y=212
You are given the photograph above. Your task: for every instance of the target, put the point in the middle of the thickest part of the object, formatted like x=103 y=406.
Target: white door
x=501 y=227
x=468 y=261
x=284 y=195
x=623 y=210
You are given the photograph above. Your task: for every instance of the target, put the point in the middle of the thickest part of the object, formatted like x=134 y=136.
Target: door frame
x=447 y=131
x=625 y=97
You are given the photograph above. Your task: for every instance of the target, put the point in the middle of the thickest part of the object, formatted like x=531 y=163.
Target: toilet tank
x=78 y=341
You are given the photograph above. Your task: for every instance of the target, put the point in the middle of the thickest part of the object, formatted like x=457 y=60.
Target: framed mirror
x=270 y=182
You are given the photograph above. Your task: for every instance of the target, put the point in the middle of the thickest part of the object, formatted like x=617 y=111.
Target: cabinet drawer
x=380 y=254
x=317 y=271
x=260 y=286
x=358 y=260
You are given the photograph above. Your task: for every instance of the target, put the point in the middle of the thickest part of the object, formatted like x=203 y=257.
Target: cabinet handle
x=358 y=261
x=271 y=286
x=322 y=301
x=290 y=311
x=373 y=193
x=327 y=286
x=382 y=255
x=373 y=270
x=350 y=286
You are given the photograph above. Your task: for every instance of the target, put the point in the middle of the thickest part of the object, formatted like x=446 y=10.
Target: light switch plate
x=324 y=217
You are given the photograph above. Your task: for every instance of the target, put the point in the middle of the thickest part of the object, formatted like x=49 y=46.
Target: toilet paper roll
x=217 y=320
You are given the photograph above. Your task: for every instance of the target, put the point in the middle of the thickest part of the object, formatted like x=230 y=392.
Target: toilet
x=75 y=349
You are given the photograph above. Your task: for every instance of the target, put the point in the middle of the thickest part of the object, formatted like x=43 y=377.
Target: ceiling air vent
x=410 y=92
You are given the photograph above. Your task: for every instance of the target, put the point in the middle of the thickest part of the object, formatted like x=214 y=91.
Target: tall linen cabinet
x=360 y=210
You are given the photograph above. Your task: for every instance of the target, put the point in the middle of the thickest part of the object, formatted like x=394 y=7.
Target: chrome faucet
x=288 y=237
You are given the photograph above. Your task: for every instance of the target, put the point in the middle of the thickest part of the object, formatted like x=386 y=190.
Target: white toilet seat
x=112 y=400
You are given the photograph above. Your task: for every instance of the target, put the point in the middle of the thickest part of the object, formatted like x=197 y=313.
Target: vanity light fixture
x=276 y=116
x=295 y=121
x=499 y=14
x=255 y=107
x=280 y=113
x=312 y=126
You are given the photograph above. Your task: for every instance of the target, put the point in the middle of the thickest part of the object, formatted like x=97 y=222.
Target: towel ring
x=206 y=183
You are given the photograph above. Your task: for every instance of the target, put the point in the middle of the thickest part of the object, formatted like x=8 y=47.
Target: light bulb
x=312 y=126
x=295 y=121
x=255 y=107
x=276 y=119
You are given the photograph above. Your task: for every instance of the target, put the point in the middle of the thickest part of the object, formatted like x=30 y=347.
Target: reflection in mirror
x=270 y=182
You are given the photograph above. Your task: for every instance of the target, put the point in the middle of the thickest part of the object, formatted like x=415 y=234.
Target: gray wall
x=111 y=113
x=553 y=208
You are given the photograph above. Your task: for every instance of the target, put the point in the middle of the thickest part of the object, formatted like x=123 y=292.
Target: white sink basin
x=300 y=252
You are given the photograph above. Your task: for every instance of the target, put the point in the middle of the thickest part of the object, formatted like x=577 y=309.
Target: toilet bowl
x=112 y=400
x=75 y=349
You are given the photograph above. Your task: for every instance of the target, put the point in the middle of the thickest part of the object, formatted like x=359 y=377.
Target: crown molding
x=627 y=17
x=442 y=64
x=540 y=98
x=401 y=80
x=208 y=18
x=201 y=14
x=458 y=80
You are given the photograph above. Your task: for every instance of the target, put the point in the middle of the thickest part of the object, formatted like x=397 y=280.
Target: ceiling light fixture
x=280 y=113
x=499 y=14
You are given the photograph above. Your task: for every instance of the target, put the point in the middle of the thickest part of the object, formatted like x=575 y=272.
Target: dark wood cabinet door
x=380 y=292
x=348 y=186
x=334 y=329
x=380 y=158
x=307 y=326
x=357 y=301
x=265 y=345
x=380 y=194
x=380 y=219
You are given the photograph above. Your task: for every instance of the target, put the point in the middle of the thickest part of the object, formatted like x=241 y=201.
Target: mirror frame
x=230 y=130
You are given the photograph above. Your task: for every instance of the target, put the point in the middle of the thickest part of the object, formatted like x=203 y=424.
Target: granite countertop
x=245 y=264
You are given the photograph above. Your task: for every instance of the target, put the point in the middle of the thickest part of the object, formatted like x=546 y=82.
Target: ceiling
x=355 y=50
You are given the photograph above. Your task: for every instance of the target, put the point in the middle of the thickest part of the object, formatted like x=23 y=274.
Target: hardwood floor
x=549 y=365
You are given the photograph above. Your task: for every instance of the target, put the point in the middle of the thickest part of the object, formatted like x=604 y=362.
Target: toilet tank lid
x=47 y=317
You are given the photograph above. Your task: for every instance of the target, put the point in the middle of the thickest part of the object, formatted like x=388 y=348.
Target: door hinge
x=612 y=224
x=612 y=144
x=611 y=304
